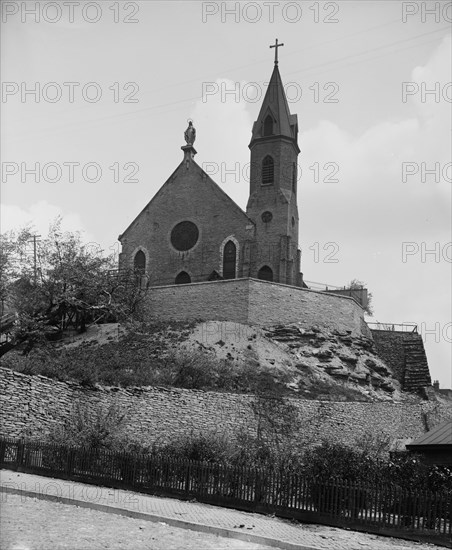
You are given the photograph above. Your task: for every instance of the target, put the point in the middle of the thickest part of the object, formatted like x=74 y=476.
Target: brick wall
x=256 y=302
x=33 y=404
x=188 y=195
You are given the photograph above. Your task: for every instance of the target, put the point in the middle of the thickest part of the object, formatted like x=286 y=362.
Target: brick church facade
x=192 y=231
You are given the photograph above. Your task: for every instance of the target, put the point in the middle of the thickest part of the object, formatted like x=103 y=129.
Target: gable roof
x=215 y=188
x=440 y=435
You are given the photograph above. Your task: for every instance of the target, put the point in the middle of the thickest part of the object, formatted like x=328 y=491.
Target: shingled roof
x=441 y=435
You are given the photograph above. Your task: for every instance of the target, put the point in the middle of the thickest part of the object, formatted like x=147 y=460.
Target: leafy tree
x=6 y=251
x=128 y=289
x=12 y=250
x=61 y=281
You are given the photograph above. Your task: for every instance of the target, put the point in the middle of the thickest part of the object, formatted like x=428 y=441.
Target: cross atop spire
x=276 y=46
x=274 y=117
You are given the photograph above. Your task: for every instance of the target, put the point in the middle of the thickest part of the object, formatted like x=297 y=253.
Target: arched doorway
x=183 y=278
x=265 y=273
x=139 y=268
x=229 y=260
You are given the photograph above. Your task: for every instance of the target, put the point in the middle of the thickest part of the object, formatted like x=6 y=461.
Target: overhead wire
x=196 y=98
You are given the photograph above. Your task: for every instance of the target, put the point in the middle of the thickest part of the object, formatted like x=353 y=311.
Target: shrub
x=330 y=461
x=195 y=370
x=408 y=471
x=255 y=452
x=92 y=427
x=405 y=470
x=375 y=445
x=206 y=447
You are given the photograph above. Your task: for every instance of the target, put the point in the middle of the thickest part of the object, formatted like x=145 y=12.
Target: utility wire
x=196 y=98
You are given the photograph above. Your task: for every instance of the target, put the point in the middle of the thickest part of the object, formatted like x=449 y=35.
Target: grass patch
x=145 y=355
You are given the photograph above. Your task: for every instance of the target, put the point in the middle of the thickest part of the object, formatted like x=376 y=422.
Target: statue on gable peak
x=190 y=133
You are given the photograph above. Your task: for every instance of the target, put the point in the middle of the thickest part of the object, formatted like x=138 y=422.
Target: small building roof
x=440 y=435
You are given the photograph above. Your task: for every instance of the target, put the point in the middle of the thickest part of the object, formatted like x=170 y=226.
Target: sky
x=96 y=97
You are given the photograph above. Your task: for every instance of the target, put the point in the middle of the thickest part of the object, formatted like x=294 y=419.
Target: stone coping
x=240 y=279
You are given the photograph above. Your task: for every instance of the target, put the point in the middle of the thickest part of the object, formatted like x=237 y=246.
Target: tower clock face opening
x=267 y=216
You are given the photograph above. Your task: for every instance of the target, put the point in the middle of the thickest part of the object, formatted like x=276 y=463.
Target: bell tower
x=272 y=203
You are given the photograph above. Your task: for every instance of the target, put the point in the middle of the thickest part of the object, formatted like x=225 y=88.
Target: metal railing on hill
x=7 y=322
x=397 y=327
x=6 y=325
x=379 y=509
x=314 y=285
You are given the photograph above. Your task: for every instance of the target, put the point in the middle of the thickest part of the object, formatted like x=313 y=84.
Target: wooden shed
x=435 y=445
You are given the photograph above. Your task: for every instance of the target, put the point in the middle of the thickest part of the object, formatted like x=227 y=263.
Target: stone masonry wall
x=31 y=405
x=215 y=300
x=34 y=404
x=255 y=302
x=390 y=348
x=404 y=352
x=272 y=303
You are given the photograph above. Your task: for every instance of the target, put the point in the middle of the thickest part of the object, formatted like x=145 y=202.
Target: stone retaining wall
x=31 y=405
x=255 y=302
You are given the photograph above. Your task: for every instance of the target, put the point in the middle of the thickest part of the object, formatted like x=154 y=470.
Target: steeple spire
x=274 y=116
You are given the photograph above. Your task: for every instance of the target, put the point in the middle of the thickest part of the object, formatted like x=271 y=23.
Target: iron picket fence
x=378 y=509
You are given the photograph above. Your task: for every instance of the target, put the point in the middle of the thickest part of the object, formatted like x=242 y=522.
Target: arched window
x=139 y=262
x=268 y=126
x=182 y=278
x=265 y=273
x=268 y=170
x=229 y=260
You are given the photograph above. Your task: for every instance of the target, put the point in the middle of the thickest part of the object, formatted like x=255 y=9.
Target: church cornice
x=274 y=137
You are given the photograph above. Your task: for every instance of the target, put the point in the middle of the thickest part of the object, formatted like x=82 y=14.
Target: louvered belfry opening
x=268 y=170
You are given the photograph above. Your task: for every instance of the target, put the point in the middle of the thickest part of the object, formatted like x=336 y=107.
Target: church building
x=192 y=231
x=203 y=258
